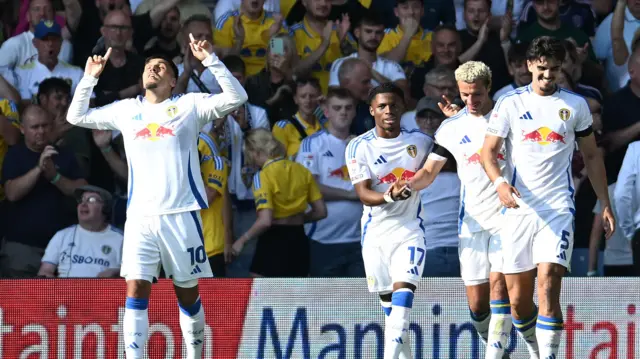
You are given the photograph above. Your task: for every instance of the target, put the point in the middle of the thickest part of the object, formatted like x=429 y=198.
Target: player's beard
x=151 y=86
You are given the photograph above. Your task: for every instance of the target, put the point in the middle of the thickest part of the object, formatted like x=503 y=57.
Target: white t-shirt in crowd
x=19 y=50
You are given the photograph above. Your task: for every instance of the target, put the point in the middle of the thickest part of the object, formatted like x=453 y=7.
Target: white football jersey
x=324 y=156
x=79 y=253
x=385 y=67
x=540 y=133
x=19 y=50
x=160 y=140
x=463 y=136
x=207 y=78
x=383 y=161
x=29 y=77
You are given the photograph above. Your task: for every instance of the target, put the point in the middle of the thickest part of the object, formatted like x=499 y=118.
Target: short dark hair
x=53 y=85
x=387 y=87
x=234 y=63
x=517 y=52
x=307 y=80
x=340 y=93
x=547 y=47
x=486 y=1
x=371 y=17
x=400 y=2
x=445 y=27
x=196 y=18
x=165 y=58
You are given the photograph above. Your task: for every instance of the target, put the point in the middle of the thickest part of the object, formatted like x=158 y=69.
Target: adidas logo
x=380 y=161
x=552 y=356
x=328 y=154
x=526 y=116
x=133 y=346
x=398 y=340
x=196 y=342
x=196 y=270
x=562 y=255
x=413 y=270
x=497 y=345
x=465 y=139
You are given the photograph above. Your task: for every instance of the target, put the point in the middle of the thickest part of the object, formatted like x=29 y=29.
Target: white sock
x=480 y=321
x=405 y=353
x=192 y=325
x=527 y=331
x=135 y=327
x=396 y=333
x=499 y=329
x=548 y=332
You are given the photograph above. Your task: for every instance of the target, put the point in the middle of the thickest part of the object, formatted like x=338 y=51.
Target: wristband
x=387 y=197
x=500 y=180
x=56 y=178
x=106 y=149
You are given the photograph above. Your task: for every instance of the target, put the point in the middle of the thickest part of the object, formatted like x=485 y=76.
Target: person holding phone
x=272 y=88
x=37 y=179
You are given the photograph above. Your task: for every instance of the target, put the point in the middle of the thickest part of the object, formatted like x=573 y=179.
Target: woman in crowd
x=283 y=190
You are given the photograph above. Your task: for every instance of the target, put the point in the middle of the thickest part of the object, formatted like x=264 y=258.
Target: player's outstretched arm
x=597 y=175
x=79 y=113
x=233 y=94
x=625 y=191
x=427 y=174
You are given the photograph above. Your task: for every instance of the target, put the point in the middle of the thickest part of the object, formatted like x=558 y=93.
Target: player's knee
x=499 y=288
x=403 y=285
x=186 y=291
x=139 y=288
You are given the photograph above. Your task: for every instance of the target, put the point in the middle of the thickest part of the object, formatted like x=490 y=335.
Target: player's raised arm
x=79 y=114
x=233 y=94
x=498 y=129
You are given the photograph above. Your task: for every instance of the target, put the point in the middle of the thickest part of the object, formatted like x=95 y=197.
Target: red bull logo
x=395 y=175
x=476 y=158
x=542 y=136
x=153 y=132
x=342 y=173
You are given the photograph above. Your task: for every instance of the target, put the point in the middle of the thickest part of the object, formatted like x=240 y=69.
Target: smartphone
x=276 y=46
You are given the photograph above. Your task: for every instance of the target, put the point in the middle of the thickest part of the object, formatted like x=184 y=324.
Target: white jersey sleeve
x=259 y=117
x=307 y=156
x=584 y=119
x=52 y=253
x=102 y=118
x=209 y=107
x=356 y=162
x=333 y=73
x=499 y=123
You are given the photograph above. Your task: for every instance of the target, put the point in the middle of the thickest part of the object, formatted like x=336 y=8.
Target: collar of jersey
x=309 y=30
x=304 y=123
x=260 y=20
x=272 y=160
x=420 y=35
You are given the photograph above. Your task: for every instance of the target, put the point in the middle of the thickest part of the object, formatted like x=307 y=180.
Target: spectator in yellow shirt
x=304 y=123
x=258 y=24
x=320 y=41
x=408 y=44
x=283 y=190
x=216 y=220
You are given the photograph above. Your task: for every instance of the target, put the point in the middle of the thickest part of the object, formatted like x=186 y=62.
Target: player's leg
x=474 y=270
x=140 y=264
x=552 y=250
x=406 y=267
x=519 y=269
x=192 y=320
x=500 y=324
x=184 y=260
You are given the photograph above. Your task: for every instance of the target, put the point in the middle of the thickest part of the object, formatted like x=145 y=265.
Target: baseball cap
x=103 y=193
x=428 y=103
x=47 y=27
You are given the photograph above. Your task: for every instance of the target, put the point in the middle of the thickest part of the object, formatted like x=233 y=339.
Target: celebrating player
x=461 y=137
x=393 y=244
x=166 y=191
x=540 y=123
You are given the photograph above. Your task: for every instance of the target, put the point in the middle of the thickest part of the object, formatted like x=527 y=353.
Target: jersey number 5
x=197 y=255
x=412 y=251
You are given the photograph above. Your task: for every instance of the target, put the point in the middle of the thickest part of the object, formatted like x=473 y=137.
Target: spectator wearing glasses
x=283 y=190
x=92 y=248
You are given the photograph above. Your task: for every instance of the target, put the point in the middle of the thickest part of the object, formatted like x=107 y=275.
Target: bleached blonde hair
x=261 y=141
x=472 y=71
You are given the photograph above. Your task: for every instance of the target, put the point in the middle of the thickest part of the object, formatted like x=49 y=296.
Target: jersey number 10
x=197 y=255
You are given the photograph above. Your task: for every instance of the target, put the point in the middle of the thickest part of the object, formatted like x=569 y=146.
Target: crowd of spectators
x=307 y=66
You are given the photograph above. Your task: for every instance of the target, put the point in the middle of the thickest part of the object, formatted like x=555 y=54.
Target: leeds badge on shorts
x=412 y=150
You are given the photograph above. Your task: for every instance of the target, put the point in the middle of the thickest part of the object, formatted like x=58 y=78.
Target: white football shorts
x=174 y=241
x=392 y=261
x=541 y=237
x=480 y=254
